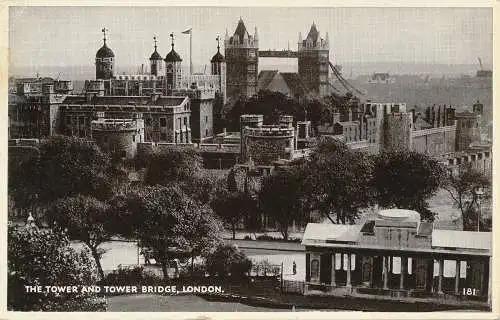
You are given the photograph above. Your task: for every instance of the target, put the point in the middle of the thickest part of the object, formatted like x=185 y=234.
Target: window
x=315 y=269
x=148 y=121
x=206 y=132
x=185 y=121
x=163 y=122
x=206 y=119
x=81 y=120
x=133 y=138
x=251 y=53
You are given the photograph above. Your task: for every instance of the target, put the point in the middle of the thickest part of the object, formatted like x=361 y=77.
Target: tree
x=37 y=257
x=233 y=207
x=168 y=222
x=461 y=186
x=174 y=164
x=67 y=166
x=228 y=260
x=338 y=181
x=283 y=198
x=406 y=179
x=85 y=219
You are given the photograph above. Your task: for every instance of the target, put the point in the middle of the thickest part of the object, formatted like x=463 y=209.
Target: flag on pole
x=188 y=31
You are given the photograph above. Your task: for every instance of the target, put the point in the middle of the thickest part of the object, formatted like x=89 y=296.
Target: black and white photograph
x=249 y=159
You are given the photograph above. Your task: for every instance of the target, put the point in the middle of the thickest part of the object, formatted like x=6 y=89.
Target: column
x=384 y=271
x=348 y=281
x=333 y=270
x=440 y=279
x=457 y=276
x=404 y=267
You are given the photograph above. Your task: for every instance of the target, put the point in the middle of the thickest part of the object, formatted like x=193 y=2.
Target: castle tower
x=242 y=59
x=156 y=62
x=313 y=56
x=104 y=61
x=219 y=68
x=173 y=69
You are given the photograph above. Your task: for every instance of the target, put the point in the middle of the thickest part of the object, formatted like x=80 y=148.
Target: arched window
x=315 y=269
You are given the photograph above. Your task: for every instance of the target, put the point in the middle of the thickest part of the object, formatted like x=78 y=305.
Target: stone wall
x=398 y=131
x=435 y=141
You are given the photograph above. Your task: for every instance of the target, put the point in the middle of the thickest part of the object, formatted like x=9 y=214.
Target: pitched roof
x=297 y=87
x=313 y=33
x=241 y=31
x=421 y=123
x=321 y=232
x=462 y=239
x=265 y=78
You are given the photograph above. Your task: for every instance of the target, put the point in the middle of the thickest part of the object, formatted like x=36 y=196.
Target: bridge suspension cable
x=344 y=82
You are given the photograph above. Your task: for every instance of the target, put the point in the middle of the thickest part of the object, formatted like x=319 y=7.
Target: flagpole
x=191 y=52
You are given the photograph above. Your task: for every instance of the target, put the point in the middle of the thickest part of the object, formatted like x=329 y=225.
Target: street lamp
x=478 y=193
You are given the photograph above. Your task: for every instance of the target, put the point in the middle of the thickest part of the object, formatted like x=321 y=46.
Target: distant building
x=104 y=61
x=118 y=136
x=384 y=78
x=242 y=61
x=314 y=59
x=468 y=129
x=368 y=260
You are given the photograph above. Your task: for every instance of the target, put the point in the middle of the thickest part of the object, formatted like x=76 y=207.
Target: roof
x=104 y=52
x=172 y=56
x=155 y=56
x=127 y=100
x=333 y=232
x=421 y=123
x=241 y=31
x=313 y=33
x=462 y=239
x=382 y=76
x=265 y=78
x=294 y=82
x=218 y=57
x=466 y=114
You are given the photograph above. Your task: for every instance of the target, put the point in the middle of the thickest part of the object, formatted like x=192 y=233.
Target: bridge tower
x=242 y=59
x=313 y=56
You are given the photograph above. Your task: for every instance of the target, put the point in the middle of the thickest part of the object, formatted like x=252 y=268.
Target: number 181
x=470 y=291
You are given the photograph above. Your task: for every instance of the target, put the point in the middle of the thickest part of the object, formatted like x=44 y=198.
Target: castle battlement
x=115 y=125
x=269 y=131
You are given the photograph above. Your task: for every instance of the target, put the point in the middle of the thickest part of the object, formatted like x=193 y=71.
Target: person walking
x=294 y=268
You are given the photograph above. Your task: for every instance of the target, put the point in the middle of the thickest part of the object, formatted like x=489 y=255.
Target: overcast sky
x=64 y=36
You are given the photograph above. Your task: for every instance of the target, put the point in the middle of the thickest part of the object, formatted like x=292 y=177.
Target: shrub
x=130 y=276
x=228 y=260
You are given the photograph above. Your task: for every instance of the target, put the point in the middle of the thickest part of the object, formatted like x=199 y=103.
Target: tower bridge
x=278 y=54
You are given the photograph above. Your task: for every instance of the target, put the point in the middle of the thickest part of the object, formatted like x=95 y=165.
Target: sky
x=62 y=36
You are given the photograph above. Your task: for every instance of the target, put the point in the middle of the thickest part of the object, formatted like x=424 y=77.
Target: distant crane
x=482 y=73
x=480 y=63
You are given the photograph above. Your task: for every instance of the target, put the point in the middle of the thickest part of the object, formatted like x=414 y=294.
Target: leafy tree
x=406 y=179
x=267 y=103
x=43 y=258
x=67 y=166
x=461 y=186
x=338 y=181
x=167 y=221
x=283 y=197
x=85 y=219
x=174 y=164
x=233 y=207
x=228 y=260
